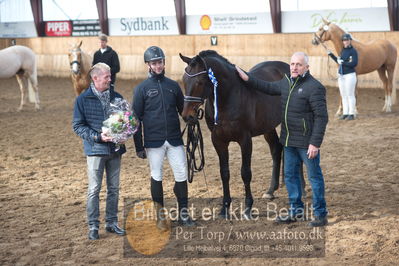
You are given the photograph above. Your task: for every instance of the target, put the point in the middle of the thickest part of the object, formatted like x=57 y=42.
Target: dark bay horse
x=243 y=113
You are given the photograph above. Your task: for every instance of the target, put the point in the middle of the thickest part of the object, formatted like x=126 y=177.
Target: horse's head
x=323 y=33
x=75 y=58
x=196 y=85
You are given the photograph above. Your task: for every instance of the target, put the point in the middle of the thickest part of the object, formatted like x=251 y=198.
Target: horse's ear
x=80 y=44
x=325 y=21
x=185 y=59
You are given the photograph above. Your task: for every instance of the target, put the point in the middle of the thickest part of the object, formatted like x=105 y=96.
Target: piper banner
x=90 y=27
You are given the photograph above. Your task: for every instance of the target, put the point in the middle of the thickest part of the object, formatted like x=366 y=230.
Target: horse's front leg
x=246 y=173
x=221 y=148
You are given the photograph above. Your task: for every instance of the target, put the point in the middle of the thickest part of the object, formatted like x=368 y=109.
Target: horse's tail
x=32 y=79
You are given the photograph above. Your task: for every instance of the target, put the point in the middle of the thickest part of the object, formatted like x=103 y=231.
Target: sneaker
x=343 y=117
x=318 y=221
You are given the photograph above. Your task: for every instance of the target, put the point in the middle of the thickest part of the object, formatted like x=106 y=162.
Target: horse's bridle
x=76 y=61
x=200 y=100
x=318 y=38
x=195 y=99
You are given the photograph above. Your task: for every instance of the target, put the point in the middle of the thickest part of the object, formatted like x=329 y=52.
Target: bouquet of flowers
x=121 y=124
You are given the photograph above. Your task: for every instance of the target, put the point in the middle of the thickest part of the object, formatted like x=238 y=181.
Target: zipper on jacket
x=164 y=109
x=304 y=126
x=286 y=109
x=105 y=117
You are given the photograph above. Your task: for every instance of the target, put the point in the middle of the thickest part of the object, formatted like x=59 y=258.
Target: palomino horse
x=20 y=61
x=377 y=55
x=242 y=113
x=80 y=63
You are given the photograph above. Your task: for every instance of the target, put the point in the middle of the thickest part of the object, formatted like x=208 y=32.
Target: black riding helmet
x=346 y=36
x=153 y=53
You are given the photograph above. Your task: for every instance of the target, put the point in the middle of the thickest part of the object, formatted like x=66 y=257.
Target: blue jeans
x=292 y=162
x=95 y=170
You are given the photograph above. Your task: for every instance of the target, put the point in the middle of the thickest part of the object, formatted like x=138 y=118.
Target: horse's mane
x=211 y=53
x=341 y=28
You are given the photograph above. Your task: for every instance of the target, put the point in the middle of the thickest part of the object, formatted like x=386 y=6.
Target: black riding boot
x=181 y=192
x=157 y=191
x=157 y=197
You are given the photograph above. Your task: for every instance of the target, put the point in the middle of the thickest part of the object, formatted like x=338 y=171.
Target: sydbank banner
x=360 y=19
x=143 y=26
x=251 y=23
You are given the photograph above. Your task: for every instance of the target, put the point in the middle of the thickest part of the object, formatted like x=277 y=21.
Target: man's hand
x=105 y=138
x=339 y=60
x=141 y=154
x=242 y=74
x=329 y=52
x=312 y=151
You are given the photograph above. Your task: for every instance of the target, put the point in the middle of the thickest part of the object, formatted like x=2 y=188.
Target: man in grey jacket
x=304 y=121
x=91 y=109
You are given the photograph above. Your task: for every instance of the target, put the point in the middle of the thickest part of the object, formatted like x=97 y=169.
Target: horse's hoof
x=268 y=196
x=387 y=108
x=224 y=216
x=224 y=213
x=248 y=214
x=247 y=217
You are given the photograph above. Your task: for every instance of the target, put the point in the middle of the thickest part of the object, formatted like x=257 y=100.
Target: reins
x=195 y=147
x=195 y=142
x=330 y=76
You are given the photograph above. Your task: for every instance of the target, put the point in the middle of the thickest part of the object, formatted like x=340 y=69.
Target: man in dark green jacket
x=304 y=121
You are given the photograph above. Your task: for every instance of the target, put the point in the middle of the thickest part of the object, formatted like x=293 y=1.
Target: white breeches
x=176 y=157
x=347 y=85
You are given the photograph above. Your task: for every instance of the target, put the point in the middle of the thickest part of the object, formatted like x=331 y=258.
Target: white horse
x=80 y=63
x=20 y=61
